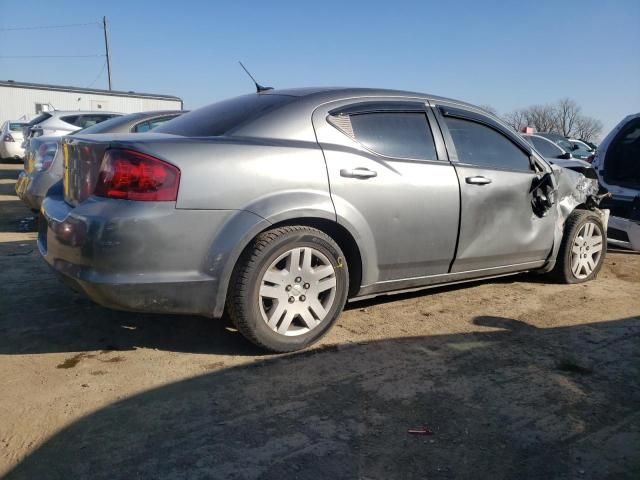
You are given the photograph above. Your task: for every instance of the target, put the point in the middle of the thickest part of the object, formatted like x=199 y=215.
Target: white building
x=25 y=100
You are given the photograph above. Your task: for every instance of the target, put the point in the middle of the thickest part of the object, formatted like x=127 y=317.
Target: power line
x=53 y=56
x=46 y=27
x=104 y=65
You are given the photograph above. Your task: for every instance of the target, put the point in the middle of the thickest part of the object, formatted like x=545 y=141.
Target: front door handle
x=358 y=173
x=479 y=180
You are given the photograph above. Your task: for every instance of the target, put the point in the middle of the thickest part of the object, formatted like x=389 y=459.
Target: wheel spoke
x=596 y=248
x=293 y=262
x=595 y=240
x=317 y=308
x=321 y=272
x=590 y=264
x=271 y=292
x=576 y=264
x=576 y=249
x=276 y=314
x=308 y=319
x=326 y=284
x=275 y=276
x=286 y=322
x=306 y=260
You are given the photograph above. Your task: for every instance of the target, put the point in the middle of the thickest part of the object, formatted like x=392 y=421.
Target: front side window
x=480 y=145
x=395 y=134
x=545 y=147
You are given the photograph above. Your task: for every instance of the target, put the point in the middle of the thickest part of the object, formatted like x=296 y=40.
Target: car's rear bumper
x=32 y=188
x=136 y=256
x=12 y=150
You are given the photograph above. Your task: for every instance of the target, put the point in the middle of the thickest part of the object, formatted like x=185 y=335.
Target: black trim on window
x=378 y=106
x=447 y=111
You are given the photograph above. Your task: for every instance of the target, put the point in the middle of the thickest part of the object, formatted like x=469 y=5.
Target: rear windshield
x=107 y=126
x=16 y=127
x=222 y=117
x=39 y=119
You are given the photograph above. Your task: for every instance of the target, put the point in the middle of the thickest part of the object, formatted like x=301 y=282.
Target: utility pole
x=106 y=48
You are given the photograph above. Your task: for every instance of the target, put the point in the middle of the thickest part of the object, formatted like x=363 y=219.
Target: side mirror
x=565 y=156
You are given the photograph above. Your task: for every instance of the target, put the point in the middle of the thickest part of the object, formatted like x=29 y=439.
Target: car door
x=498 y=227
x=389 y=175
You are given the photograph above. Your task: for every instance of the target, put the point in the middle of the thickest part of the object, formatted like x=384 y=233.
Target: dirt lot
x=512 y=379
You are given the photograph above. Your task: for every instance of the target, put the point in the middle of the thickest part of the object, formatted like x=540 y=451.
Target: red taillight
x=45 y=155
x=131 y=175
x=8 y=138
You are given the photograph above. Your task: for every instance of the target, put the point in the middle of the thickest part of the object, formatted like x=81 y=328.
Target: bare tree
x=567 y=116
x=541 y=117
x=563 y=117
x=588 y=128
x=516 y=120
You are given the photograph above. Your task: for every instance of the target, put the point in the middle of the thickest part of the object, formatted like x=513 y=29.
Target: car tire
x=288 y=288
x=583 y=248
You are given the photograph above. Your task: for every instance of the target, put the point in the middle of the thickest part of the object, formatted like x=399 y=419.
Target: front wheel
x=583 y=248
x=288 y=288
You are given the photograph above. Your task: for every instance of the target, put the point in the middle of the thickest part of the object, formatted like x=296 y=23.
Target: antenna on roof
x=259 y=88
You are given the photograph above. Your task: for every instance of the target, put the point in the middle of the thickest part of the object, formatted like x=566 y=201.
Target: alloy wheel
x=297 y=291
x=586 y=250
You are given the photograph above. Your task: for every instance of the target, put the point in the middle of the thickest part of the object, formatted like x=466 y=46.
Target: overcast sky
x=504 y=54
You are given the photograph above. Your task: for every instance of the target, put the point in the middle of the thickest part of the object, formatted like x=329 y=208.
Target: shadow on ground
x=509 y=403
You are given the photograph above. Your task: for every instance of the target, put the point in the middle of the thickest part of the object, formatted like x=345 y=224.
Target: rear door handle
x=479 y=180
x=358 y=173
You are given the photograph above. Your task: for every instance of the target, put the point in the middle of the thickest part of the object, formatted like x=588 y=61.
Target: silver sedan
x=278 y=207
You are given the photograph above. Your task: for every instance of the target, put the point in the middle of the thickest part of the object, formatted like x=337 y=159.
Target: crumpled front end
x=571 y=190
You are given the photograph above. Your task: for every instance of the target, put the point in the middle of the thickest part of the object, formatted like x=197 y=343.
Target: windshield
x=222 y=117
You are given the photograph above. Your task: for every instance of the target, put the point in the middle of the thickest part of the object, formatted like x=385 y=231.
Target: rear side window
x=73 y=120
x=222 y=117
x=151 y=124
x=545 y=147
x=39 y=119
x=85 y=121
x=480 y=145
x=395 y=134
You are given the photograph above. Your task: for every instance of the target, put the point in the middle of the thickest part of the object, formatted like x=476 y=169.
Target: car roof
x=329 y=93
x=81 y=112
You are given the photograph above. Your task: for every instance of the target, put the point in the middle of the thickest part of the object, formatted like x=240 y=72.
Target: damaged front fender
x=571 y=190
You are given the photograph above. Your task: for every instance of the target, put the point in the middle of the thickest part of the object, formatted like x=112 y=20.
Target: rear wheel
x=583 y=248
x=288 y=288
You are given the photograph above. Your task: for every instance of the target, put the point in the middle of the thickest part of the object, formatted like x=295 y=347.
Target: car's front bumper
x=624 y=233
x=136 y=256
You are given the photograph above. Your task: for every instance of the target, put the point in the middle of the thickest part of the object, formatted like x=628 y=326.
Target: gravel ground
x=518 y=378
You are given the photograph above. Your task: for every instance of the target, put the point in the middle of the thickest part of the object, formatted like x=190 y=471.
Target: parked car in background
x=43 y=160
x=565 y=144
x=229 y=208
x=11 y=140
x=57 y=123
x=617 y=162
x=580 y=145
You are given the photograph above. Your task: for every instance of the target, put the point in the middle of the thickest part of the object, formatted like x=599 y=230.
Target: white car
x=11 y=139
x=57 y=123
x=617 y=162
